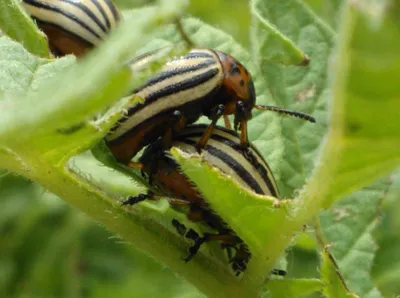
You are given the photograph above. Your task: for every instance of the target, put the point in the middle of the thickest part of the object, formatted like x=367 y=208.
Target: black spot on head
x=241 y=82
x=234 y=69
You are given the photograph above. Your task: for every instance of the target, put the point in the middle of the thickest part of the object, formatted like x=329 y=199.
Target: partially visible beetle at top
x=203 y=82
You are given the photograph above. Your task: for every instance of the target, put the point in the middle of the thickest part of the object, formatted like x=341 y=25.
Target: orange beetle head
x=237 y=85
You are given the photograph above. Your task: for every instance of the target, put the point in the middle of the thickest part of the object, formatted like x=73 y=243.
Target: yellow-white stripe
x=58 y=19
x=235 y=155
x=176 y=99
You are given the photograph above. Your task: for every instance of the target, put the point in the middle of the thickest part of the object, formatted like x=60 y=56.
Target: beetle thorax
x=237 y=84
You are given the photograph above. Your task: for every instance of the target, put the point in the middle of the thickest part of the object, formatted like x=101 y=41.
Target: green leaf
x=53 y=115
x=51 y=102
x=15 y=22
x=269 y=44
x=292 y=288
x=234 y=21
x=303 y=89
x=363 y=138
x=43 y=236
x=46 y=117
x=334 y=283
x=21 y=73
x=386 y=267
x=258 y=220
x=348 y=230
x=328 y=10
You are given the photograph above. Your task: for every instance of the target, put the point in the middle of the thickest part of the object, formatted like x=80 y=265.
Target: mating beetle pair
x=224 y=152
x=202 y=82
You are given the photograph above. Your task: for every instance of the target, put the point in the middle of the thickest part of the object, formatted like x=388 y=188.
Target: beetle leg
x=139 y=198
x=244 y=138
x=192 y=235
x=132 y=200
x=241 y=258
x=228 y=248
x=242 y=115
x=199 y=241
x=229 y=242
x=176 y=122
x=135 y=165
x=216 y=113
x=227 y=122
x=180 y=228
x=279 y=272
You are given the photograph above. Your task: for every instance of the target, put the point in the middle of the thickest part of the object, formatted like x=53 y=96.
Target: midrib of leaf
x=356 y=225
x=368 y=229
x=335 y=286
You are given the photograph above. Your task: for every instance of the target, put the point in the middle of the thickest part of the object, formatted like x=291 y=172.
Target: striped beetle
x=223 y=151
x=73 y=26
x=202 y=82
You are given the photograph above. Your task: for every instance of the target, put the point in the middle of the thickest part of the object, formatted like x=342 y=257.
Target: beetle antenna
x=183 y=34
x=287 y=112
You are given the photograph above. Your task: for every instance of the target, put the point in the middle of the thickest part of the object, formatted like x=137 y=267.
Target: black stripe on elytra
x=88 y=43
x=103 y=13
x=199 y=129
x=182 y=85
x=62 y=12
x=173 y=89
x=88 y=12
x=194 y=55
x=143 y=56
x=248 y=155
x=136 y=129
x=232 y=163
x=113 y=9
x=252 y=159
x=165 y=75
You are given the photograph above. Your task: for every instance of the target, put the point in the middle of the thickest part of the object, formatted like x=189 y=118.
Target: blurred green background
x=48 y=249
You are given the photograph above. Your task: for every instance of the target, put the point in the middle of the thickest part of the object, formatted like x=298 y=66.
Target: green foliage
x=47 y=107
x=293 y=287
x=19 y=26
x=352 y=242
x=331 y=276
x=386 y=265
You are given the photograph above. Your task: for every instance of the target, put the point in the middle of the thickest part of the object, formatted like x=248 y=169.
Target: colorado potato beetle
x=202 y=82
x=224 y=151
x=73 y=26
